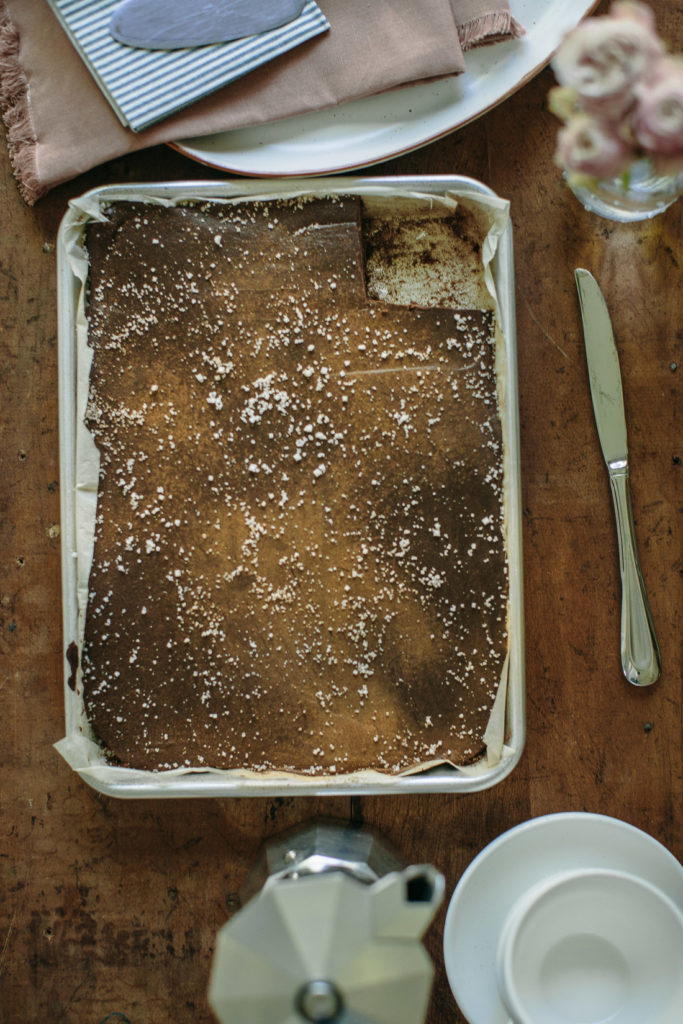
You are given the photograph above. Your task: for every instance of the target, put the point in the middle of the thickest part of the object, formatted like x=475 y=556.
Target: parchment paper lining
x=79 y=747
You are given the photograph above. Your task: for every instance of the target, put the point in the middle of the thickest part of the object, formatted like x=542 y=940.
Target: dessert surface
x=299 y=560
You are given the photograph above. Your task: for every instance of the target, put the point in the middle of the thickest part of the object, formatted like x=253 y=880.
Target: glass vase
x=638 y=195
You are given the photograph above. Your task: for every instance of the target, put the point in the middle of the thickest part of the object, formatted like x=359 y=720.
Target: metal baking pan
x=78 y=746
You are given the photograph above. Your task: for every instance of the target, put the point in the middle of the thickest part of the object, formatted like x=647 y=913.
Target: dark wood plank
x=110 y=908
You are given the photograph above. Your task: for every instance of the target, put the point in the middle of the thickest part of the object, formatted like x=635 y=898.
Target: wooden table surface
x=109 y=909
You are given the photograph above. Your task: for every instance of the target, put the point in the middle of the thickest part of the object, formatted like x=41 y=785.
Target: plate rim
x=249 y=161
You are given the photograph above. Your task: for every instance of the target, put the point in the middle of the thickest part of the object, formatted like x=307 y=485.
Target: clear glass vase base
x=646 y=196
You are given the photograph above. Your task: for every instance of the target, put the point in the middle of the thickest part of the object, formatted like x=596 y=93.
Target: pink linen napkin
x=59 y=124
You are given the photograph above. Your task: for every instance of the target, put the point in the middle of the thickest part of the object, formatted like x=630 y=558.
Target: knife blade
x=176 y=24
x=640 y=657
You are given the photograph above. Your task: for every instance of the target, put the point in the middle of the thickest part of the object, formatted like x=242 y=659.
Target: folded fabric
x=145 y=85
x=59 y=124
x=480 y=22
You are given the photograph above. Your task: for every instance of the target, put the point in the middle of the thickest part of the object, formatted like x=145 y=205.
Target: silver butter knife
x=640 y=658
x=177 y=24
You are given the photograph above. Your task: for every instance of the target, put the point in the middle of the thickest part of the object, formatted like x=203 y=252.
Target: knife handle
x=640 y=658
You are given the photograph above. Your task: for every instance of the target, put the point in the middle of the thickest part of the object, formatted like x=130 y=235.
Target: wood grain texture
x=109 y=909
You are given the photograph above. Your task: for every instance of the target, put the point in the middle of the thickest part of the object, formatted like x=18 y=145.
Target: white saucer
x=518 y=859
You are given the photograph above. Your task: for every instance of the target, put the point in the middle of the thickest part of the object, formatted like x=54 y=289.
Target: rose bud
x=603 y=59
x=635 y=10
x=658 y=120
x=587 y=147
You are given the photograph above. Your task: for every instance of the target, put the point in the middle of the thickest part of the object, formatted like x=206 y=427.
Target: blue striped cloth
x=144 y=86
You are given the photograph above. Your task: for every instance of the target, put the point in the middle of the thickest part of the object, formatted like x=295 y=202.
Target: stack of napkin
x=59 y=124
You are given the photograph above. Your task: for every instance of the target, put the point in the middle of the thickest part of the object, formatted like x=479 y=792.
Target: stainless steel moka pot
x=329 y=933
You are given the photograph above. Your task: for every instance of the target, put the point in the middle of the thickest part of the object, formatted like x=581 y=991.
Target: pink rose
x=638 y=12
x=603 y=58
x=658 y=119
x=587 y=147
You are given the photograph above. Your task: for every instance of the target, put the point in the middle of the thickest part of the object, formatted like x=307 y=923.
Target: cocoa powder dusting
x=299 y=560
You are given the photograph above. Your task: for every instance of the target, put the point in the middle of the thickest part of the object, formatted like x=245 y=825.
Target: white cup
x=592 y=947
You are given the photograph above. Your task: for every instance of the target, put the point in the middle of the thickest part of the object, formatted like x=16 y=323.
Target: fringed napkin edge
x=15 y=108
x=489 y=28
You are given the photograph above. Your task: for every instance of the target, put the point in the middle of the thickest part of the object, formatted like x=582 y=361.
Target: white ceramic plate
x=510 y=865
x=364 y=132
